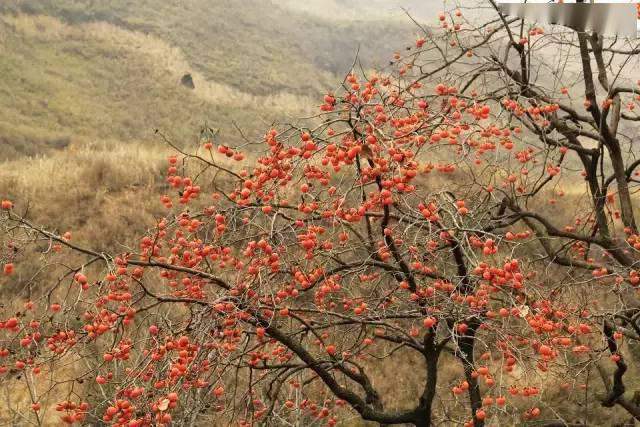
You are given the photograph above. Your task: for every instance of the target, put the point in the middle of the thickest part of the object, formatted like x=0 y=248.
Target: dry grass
x=96 y=81
x=54 y=384
x=159 y=53
x=106 y=192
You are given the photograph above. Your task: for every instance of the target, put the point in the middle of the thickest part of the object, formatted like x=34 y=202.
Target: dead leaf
x=164 y=404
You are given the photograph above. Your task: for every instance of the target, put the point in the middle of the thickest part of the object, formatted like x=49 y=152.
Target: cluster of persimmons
x=285 y=271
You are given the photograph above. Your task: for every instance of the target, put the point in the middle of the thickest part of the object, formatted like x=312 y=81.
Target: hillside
x=258 y=46
x=86 y=70
x=85 y=83
x=367 y=9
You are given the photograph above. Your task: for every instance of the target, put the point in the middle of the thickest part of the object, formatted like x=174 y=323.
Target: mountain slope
x=82 y=69
x=368 y=9
x=64 y=83
x=257 y=46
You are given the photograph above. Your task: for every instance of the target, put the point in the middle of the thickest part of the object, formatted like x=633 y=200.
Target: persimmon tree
x=472 y=206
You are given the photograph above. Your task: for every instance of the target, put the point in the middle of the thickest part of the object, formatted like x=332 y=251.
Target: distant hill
x=88 y=69
x=367 y=9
